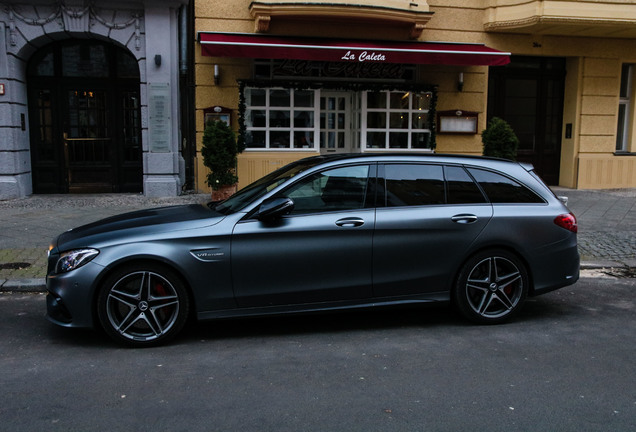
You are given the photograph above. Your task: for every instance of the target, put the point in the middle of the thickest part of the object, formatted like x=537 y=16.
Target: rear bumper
x=558 y=266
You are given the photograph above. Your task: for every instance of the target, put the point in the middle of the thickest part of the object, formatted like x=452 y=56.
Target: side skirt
x=430 y=298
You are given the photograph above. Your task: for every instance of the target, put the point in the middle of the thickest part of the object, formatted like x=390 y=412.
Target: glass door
x=88 y=142
x=335 y=122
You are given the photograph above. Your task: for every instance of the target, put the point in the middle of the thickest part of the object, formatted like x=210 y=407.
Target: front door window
x=332 y=190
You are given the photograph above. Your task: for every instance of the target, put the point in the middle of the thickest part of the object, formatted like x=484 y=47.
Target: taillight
x=567 y=221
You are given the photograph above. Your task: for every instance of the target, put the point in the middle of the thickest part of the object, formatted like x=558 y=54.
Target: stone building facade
x=89 y=97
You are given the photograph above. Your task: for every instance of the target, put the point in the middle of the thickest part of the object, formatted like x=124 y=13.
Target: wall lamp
x=460 y=82
x=217 y=76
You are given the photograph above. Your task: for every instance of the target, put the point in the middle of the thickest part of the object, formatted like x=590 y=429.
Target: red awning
x=337 y=50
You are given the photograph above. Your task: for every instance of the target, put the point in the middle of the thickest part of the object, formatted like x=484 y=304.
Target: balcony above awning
x=412 y=15
x=249 y=45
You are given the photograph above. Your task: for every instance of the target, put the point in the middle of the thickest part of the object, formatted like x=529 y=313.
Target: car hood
x=139 y=223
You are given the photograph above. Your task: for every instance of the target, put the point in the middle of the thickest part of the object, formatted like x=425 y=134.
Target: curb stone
x=23 y=285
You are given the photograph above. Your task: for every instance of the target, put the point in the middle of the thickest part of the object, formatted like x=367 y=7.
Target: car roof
x=410 y=155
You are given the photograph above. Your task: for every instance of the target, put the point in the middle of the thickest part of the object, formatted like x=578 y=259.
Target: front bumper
x=70 y=299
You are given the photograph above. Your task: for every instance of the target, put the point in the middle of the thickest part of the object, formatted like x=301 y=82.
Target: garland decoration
x=242 y=131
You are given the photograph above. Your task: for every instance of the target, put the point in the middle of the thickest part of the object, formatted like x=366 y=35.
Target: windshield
x=262 y=186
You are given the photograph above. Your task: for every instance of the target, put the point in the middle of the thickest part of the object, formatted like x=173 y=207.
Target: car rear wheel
x=142 y=305
x=491 y=287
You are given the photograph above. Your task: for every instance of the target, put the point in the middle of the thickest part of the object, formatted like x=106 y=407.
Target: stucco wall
x=592 y=82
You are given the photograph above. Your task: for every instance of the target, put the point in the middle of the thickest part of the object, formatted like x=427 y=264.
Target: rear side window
x=413 y=185
x=501 y=189
x=461 y=189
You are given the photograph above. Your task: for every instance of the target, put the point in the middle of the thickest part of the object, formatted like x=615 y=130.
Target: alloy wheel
x=492 y=287
x=142 y=307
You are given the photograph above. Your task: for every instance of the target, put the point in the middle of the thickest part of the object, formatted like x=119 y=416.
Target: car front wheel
x=491 y=287
x=142 y=305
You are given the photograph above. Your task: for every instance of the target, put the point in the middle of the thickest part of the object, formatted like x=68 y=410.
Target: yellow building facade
x=297 y=79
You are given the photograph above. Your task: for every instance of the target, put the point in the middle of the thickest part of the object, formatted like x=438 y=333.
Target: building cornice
x=563 y=17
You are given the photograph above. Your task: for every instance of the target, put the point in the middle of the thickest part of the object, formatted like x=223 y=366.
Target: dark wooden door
x=85 y=121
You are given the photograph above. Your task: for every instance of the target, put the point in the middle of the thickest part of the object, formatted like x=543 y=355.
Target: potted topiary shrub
x=219 y=151
x=500 y=140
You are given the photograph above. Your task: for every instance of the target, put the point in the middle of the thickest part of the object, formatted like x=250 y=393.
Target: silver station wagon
x=320 y=234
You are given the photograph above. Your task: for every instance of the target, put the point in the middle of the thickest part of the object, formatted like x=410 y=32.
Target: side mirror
x=274 y=208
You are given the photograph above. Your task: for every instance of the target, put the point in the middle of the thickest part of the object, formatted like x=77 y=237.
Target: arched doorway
x=85 y=120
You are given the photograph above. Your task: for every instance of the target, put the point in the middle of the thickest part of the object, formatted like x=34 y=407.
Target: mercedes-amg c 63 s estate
x=320 y=234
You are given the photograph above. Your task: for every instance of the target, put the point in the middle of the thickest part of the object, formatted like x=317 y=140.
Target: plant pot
x=224 y=192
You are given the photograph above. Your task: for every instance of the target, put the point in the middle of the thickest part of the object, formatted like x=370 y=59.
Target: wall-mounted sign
x=457 y=121
x=159 y=113
x=1 y=89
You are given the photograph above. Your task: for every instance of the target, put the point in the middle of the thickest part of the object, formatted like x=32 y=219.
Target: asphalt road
x=567 y=364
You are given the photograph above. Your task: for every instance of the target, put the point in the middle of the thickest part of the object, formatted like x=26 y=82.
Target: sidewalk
x=607 y=227
x=28 y=226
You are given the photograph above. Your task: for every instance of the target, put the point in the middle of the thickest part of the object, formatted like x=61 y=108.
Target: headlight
x=73 y=259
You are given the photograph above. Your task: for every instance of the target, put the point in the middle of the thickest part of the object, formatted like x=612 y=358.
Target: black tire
x=491 y=287
x=142 y=305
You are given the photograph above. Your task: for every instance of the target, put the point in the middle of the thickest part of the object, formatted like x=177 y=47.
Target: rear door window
x=413 y=185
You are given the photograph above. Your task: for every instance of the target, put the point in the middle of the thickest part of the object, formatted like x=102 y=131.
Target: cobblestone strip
x=22 y=263
x=611 y=245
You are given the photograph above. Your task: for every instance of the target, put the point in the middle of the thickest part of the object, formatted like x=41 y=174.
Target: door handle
x=350 y=222
x=464 y=218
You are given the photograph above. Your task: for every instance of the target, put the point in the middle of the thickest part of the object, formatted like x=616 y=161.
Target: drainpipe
x=188 y=133
x=183 y=40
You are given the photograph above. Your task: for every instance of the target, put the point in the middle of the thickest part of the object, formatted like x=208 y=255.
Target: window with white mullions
x=396 y=120
x=281 y=119
x=278 y=118
x=625 y=109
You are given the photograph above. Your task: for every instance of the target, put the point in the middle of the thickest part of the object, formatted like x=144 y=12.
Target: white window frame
x=291 y=129
x=387 y=129
x=359 y=120
x=625 y=105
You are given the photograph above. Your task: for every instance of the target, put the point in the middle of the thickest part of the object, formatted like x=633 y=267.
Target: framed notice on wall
x=457 y=121
x=217 y=113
